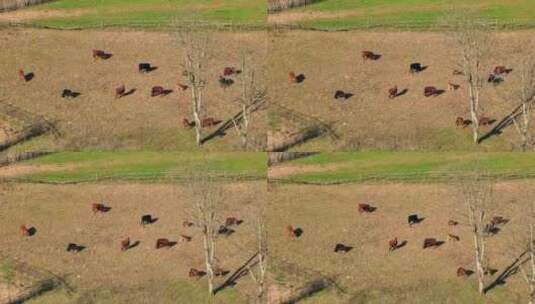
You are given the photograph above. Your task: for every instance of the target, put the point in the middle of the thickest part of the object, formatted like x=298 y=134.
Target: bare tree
x=195 y=42
x=473 y=37
x=524 y=97
x=477 y=195
x=259 y=275
x=207 y=196
x=251 y=99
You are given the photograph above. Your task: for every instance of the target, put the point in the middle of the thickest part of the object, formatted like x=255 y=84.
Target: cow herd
x=226 y=229
x=495 y=77
x=225 y=81
x=394 y=244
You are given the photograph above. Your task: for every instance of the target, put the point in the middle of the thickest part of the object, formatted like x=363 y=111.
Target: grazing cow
x=461 y=122
x=230 y=221
x=224 y=230
x=183 y=87
x=292 y=77
x=498 y=220
x=431 y=91
x=69 y=94
x=185 y=238
x=494 y=79
x=393 y=92
x=125 y=244
x=430 y=242
x=145 y=68
x=74 y=247
x=187 y=224
x=453 y=86
x=194 y=273
x=218 y=272
x=366 y=208
x=146 y=220
x=100 y=54
x=413 y=219
x=24 y=231
x=342 y=248
x=342 y=95
x=23 y=76
x=461 y=272
x=161 y=243
x=457 y=73
x=484 y=121
x=393 y=244
x=225 y=82
x=209 y=122
x=290 y=231
x=120 y=91
x=187 y=123
x=415 y=68
x=500 y=70
x=368 y=55
x=453 y=237
x=452 y=223
x=159 y=91
x=229 y=71
x=100 y=208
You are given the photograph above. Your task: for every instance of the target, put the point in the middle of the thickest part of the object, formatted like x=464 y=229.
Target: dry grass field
x=369 y=273
x=96 y=120
x=370 y=120
x=102 y=273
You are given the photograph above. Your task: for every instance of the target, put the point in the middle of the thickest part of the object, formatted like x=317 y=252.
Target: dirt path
x=26 y=15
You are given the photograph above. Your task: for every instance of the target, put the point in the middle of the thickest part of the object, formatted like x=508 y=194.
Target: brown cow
x=461 y=272
x=100 y=208
x=369 y=55
x=125 y=244
x=120 y=91
x=498 y=220
x=22 y=75
x=393 y=244
x=194 y=273
x=229 y=71
x=290 y=231
x=208 y=122
x=183 y=87
x=159 y=91
x=219 y=272
x=453 y=237
x=292 y=77
x=431 y=242
x=24 y=231
x=393 y=92
x=453 y=86
x=452 y=223
x=185 y=238
x=101 y=54
x=187 y=123
x=160 y=243
x=431 y=91
x=461 y=122
x=365 y=208
x=230 y=221
x=499 y=70
x=484 y=121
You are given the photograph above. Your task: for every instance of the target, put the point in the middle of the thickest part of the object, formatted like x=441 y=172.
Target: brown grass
x=61 y=59
x=328 y=215
x=62 y=214
x=370 y=120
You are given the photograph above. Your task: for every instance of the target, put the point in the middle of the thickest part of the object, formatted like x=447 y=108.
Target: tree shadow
x=236 y=275
x=512 y=269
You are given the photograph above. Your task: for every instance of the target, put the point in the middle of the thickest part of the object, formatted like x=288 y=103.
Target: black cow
x=74 y=247
x=342 y=248
x=146 y=220
x=146 y=67
x=416 y=68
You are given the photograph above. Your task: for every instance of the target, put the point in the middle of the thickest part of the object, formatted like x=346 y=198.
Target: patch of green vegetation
x=150 y=13
x=6 y=270
x=187 y=292
x=411 y=166
x=411 y=14
x=145 y=166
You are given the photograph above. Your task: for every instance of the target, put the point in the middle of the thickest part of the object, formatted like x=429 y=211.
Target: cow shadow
x=375 y=57
x=152 y=220
x=300 y=78
x=438 y=244
x=70 y=94
x=224 y=230
x=418 y=220
x=134 y=245
x=29 y=76
x=401 y=245
x=201 y=274
x=148 y=69
x=298 y=232
x=402 y=92
x=166 y=92
x=32 y=231
x=371 y=209
x=469 y=272
x=492 y=230
x=105 y=209
x=132 y=91
x=439 y=92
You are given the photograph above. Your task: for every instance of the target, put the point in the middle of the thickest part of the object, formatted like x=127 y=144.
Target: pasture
x=401 y=14
x=96 y=120
x=153 y=14
x=370 y=120
x=102 y=272
x=369 y=273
